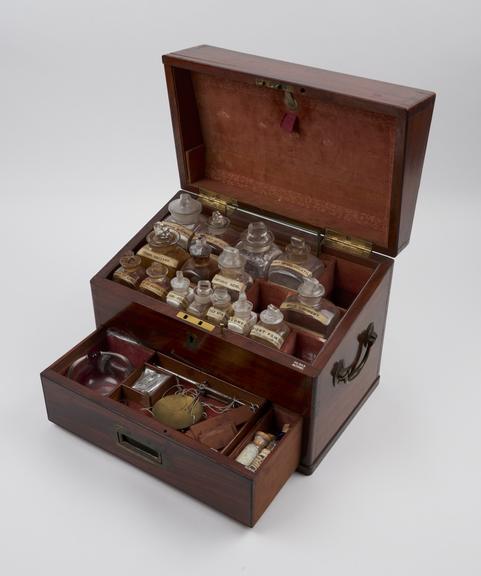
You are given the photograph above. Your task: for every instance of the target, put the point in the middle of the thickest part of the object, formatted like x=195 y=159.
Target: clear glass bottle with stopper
x=182 y=292
x=162 y=246
x=201 y=303
x=232 y=274
x=157 y=282
x=131 y=272
x=296 y=264
x=243 y=318
x=185 y=217
x=218 y=232
x=257 y=245
x=271 y=330
x=200 y=265
x=221 y=307
x=310 y=310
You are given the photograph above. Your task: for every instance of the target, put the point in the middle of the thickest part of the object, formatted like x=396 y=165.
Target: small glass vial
x=310 y=310
x=221 y=307
x=200 y=265
x=131 y=272
x=243 y=318
x=162 y=246
x=257 y=245
x=185 y=217
x=295 y=265
x=157 y=282
x=217 y=232
x=232 y=274
x=201 y=302
x=181 y=294
x=271 y=330
x=260 y=441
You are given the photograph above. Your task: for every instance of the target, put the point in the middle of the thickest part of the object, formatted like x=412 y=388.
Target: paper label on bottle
x=237 y=324
x=213 y=241
x=177 y=300
x=154 y=287
x=126 y=277
x=220 y=281
x=265 y=334
x=304 y=272
x=215 y=315
x=147 y=252
x=182 y=230
x=322 y=316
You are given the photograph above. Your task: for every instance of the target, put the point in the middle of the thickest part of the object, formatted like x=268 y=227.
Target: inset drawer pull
x=131 y=444
x=366 y=339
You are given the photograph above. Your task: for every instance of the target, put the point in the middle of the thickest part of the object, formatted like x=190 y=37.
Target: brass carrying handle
x=341 y=374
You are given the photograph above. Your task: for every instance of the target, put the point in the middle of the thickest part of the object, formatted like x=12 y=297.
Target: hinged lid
x=324 y=149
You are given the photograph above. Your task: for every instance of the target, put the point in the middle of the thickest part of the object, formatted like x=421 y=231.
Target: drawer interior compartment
x=123 y=423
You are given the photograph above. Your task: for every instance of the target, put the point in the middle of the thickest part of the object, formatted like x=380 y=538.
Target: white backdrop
x=87 y=157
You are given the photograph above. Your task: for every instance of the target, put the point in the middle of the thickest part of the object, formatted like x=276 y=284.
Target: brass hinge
x=333 y=239
x=216 y=201
x=288 y=90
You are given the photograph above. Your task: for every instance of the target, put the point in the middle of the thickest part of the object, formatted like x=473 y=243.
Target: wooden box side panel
x=181 y=467
x=335 y=404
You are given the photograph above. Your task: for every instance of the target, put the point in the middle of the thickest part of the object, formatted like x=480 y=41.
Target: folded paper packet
x=218 y=431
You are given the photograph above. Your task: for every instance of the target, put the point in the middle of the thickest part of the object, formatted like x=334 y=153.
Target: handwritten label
x=304 y=272
x=213 y=241
x=322 y=316
x=268 y=335
x=182 y=230
x=176 y=300
x=220 y=281
x=147 y=252
x=126 y=277
x=215 y=315
x=238 y=325
x=152 y=286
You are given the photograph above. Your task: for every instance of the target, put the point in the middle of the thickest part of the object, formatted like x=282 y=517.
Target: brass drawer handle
x=366 y=339
x=128 y=442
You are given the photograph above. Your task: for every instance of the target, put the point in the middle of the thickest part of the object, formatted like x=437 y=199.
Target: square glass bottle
x=232 y=274
x=182 y=292
x=131 y=272
x=185 y=217
x=271 y=330
x=217 y=232
x=295 y=264
x=200 y=265
x=258 y=247
x=163 y=247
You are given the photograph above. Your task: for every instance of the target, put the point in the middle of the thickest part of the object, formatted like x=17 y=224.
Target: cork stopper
x=271 y=315
x=180 y=284
x=185 y=209
x=243 y=307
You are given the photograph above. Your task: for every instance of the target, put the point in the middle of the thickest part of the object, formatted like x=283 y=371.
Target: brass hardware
x=344 y=375
x=196 y=321
x=288 y=90
x=358 y=246
x=215 y=201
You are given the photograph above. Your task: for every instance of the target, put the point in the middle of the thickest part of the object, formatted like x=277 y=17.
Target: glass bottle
x=295 y=264
x=257 y=245
x=217 y=232
x=185 y=217
x=243 y=318
x=200 y=265
x=310 y=310
x=201 y=303
x=162 y=246
x=131 y=272
x=157 y=282
x=221 y=307
x=232 y=274
x=271 y=330
x=182 y=292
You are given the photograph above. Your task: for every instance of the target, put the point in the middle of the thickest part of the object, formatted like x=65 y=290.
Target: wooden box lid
x=325 y=149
